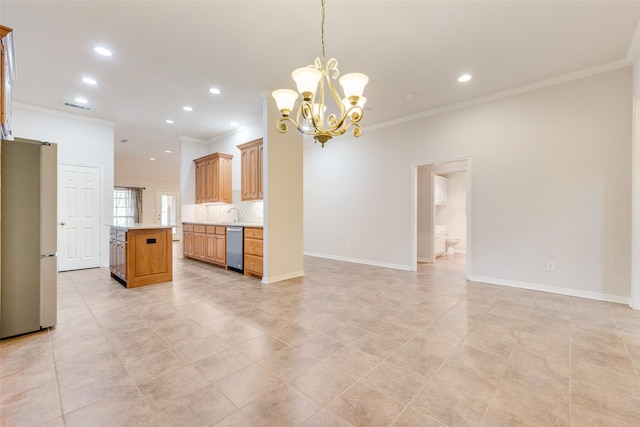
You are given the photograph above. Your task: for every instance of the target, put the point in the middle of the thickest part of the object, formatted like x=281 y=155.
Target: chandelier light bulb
x=360 y=103
x=353 y=85
x=306 y=79
x=285 y=99
x=318 y=109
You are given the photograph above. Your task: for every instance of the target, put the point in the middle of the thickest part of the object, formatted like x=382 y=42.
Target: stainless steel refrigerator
x=28 y=291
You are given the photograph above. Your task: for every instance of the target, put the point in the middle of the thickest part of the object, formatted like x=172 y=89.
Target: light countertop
x=139 y=227
x=227 y=224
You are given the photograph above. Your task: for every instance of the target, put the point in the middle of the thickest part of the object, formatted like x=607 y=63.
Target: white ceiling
x=169 y=53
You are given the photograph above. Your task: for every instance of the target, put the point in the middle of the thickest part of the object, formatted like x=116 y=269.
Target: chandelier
x=313 y=117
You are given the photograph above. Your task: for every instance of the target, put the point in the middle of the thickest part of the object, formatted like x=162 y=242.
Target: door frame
x=413 y=262
x=103 y=233
x=158 y=208
x=634 y=297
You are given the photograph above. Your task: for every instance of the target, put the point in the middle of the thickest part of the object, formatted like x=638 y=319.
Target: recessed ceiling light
x=167 y=151
x=152 y=158
x=464 y=78
x=187 y=108
x=215 y=91
x=169 y=121
x=234 y=124
x=80 y=100
x=102 y=51
x=89 y=81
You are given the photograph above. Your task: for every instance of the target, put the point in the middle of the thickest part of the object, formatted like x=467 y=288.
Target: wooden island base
x=140 y=256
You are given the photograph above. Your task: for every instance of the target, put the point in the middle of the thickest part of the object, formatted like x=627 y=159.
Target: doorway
x=79 y=195
x=440 y=215
x=167 y=211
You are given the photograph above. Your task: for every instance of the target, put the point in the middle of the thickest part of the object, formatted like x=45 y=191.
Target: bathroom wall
x=453 y=215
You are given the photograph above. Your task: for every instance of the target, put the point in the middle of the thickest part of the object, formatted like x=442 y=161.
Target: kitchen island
x=140 y=254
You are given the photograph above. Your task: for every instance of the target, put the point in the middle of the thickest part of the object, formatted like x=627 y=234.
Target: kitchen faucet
x=237 y=212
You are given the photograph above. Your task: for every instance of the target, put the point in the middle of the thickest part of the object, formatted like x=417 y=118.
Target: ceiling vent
x=75 y=105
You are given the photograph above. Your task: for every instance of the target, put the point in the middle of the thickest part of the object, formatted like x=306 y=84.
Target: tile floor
x=346 y=345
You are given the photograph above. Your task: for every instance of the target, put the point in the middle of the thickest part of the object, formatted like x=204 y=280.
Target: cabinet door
x=224 y=176
x=251 y=162
x=244 y=175
x=6 y=61
x=212 y=181
x=210 y=247
x=220 y=249
x=200 y=181
x=121 y=269
x=199 y=242
x=112 y=255
x=3 y=88
x=253 y=173
x=259 y=173
x=187 y=243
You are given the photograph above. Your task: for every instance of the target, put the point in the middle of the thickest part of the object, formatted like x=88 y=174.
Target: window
x=127 y=206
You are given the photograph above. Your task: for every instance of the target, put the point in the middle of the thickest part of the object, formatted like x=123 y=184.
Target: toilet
x=449 y=243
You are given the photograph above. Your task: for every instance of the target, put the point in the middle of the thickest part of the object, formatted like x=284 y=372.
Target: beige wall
x=551 y=181
x=81 y=141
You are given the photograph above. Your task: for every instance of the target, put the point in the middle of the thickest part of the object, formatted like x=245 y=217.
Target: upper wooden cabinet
x=7 y=71
x=213 y=178
x=251 y=177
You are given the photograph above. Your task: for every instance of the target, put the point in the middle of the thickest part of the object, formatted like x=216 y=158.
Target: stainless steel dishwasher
x=235 y=248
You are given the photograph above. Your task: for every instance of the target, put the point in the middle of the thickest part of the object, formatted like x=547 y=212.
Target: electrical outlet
x=348 y=245
x=551 y=266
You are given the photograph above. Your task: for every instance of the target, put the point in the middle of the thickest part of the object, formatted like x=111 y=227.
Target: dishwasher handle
x=234 y=228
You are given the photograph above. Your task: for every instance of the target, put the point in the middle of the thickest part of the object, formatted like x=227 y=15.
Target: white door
x=167 y=210
x=78 y=217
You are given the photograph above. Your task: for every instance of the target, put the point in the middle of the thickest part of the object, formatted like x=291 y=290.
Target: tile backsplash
x=249 y=211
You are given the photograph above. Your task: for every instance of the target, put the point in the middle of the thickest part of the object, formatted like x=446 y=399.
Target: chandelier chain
x=322 y=31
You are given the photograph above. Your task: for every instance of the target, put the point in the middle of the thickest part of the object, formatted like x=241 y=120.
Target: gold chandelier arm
x=357 y=129
x=331 y=69
x=282 y=126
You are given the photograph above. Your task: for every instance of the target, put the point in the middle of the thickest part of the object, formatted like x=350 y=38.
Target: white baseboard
x=281 y=277
x=490 y=280
x=360 y=261
x=553 y=289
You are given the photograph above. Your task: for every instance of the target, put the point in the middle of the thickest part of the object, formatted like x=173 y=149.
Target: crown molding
x=563 y=78
x=43 y=110
x=185 y=138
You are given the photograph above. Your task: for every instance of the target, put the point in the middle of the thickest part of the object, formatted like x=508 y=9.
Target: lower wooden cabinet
x=253 y=249
x=199 y=241
x=205 y=243
x=216 y=247
x=187 y=240
x=208 y=243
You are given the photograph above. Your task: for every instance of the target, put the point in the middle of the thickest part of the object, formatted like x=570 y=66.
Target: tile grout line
x=55 y=371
